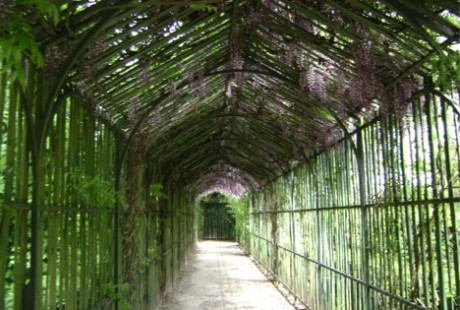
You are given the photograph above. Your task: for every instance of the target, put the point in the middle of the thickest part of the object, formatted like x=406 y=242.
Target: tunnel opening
x=217 y=219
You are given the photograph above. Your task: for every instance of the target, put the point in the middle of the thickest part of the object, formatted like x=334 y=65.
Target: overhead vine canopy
x=230 y=94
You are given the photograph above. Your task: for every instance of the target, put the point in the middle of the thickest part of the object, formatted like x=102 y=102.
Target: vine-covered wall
x=71 y=236
x=372 y=223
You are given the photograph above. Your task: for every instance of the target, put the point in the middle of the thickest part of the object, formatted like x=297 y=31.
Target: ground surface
x=221 y=276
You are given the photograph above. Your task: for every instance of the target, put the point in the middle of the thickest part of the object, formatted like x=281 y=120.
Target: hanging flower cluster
x=315 y=82
x=144 y=74
x=133 y=109
x=55 y=57
x=237 y=63
x=172 y=87
x=223 y=5
x=368 y=85
x=223 y=177
x=304 y=24
x=155 y=120
x=191 y=80
x=273 y=6
x=97 y=50
x=228 y=91
x=201 y=84
x=291 y=55
x=197 y=82
x=329 y=135
x=235 y=190
x=6 y=9
x=396 y=99
x=86 y=66
x=253 y=19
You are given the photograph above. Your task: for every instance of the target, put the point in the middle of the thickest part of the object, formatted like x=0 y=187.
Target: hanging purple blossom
x=228 y=91
x=155 y=120
x=296 y=52
x=364 y=59
x=239 y=79
x=296 y=152
x=6 y=9
x=303 y=79
x=304 y=24
x=360 y=28
x=172 y=87
x=54 y=59
x=365 y=85
x=276 y=108
x=253 y=20
x=190 y=79
x=193 y=81
x=201 y=83
x=359 y=94
x=234 y=45
x=85 y=71
x=91 y=101
x=286 y=131
x=133 y=109
x=300 y=135
x=271 y=5
x=316 y=84
x=341 y=82
x=223 y=5
x=97 y=50
x=80 y=85
x=396 y=100
x=237 y=63
x=144 y=74
x=327 y=136
x=288 y=57
x=332 y=13
x=240 y=105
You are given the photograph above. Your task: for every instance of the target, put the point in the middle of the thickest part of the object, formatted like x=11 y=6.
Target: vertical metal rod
x=436 y=209
x=118 y=169
x=364 y=219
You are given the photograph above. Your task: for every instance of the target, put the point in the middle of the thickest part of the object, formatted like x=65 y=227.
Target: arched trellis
x=125 y=146
x=252 y=47
x=153 y=105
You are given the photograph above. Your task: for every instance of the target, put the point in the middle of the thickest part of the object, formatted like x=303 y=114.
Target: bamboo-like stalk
x=400 y=222
x=20 y=217
x=431 y=112
x=5 y=214
x=328 y=223
x=449 y=175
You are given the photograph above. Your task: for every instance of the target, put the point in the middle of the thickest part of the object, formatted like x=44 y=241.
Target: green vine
x=93 y=191
x=115 y=293
x=156 y=190
x=17 y=40
x=446 y=68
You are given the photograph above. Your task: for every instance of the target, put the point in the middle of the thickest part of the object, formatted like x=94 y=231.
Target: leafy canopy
x=16 y=36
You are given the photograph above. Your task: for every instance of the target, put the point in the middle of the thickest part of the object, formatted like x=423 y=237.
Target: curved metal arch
x=188 y=174
x=154 y=103
x=259 y=121
x=244 y=177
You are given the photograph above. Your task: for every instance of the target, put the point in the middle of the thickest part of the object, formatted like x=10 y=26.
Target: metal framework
x=339 y=118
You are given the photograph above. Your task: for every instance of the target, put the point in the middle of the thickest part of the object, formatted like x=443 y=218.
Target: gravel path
x=221 y=276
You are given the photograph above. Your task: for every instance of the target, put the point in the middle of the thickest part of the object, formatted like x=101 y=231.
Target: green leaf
x=204 y=7
x=157 y=191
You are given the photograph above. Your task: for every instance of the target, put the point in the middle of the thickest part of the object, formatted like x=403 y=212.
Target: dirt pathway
x=221 y=276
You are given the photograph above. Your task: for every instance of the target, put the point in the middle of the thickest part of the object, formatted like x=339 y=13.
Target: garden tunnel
x=336 y=122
